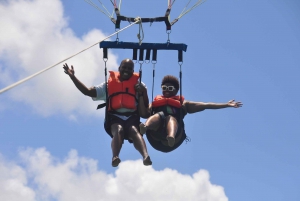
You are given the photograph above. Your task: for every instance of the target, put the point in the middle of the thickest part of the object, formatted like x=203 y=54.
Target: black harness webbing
x=150 y=20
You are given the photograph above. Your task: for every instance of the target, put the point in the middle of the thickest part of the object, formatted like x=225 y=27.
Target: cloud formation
x=43 y=177
x=34 y=36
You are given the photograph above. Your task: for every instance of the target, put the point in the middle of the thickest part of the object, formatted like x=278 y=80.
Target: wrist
x=140 y=94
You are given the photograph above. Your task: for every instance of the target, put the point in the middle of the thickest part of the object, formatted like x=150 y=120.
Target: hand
x=232 y=103
x=69 y=71
x=139 y=88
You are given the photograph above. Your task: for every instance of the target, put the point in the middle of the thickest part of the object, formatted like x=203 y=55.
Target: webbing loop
x=117 y=38
x=134 y=54
x=154 y=55
x=168 y=32
x=104 y=54
x=147 y=58
x=180 y=56
x=141 y=57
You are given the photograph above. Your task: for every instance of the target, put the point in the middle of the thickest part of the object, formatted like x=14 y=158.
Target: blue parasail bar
x=155 y=46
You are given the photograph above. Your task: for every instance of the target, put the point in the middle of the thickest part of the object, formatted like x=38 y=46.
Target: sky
x=53 y=146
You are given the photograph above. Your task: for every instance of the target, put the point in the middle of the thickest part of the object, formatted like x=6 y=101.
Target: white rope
x=115 y=6
x=112 y=2
x=40 y=72
x=99 y=9
x=120 y=3
x=193 y=7
x=172 y=3
x=105 y=8
x=169 y=3
x=119 y=8
x=185 y=7
x=141 y=38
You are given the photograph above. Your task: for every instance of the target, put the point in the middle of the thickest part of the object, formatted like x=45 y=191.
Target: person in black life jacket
x=165 y=128
x=123 y=116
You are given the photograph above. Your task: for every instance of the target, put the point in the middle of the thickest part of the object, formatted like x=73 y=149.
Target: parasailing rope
x=138 y=20
x=99 y=9
x=193 y=7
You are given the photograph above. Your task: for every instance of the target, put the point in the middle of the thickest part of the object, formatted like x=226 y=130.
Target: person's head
x=126 y=69
x=169 y=85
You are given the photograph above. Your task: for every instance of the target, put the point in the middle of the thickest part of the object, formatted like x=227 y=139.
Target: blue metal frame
x=130 y=45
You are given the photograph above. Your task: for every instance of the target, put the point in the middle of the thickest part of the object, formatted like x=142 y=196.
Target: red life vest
x=173 y=101
x=122 y=93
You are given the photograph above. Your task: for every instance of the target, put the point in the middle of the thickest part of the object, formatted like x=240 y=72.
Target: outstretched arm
x=80 y=86
x=192 y=107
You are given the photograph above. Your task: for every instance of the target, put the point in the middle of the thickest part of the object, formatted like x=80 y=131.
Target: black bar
x=146 y=19
x=130 y=45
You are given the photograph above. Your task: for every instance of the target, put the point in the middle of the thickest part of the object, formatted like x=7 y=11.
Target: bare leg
x=171 y=126
x=139 y=144
x=116 y=143
x=152 y=123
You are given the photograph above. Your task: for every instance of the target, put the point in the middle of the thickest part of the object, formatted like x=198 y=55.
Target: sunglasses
x=168 y=88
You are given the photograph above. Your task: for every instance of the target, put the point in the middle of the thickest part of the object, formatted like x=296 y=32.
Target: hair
x=171 y=79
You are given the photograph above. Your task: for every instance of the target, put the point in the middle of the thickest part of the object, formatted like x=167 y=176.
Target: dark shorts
x=133 y=120
x=155 y=137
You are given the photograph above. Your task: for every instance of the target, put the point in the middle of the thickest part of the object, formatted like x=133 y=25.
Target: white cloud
x=78 y=178
x=35 y=35
x=13 y=183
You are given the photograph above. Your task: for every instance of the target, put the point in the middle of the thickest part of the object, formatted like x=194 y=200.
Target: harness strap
x=101 y=106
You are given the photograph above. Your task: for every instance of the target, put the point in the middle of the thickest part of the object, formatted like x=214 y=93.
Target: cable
x=99 y=9
x=194 y=6
x=40 y=72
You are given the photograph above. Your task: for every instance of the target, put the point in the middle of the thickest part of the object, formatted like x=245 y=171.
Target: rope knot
x=138 y=19
x=140 y=35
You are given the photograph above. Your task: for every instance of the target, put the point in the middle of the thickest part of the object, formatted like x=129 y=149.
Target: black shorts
x=133 y=120
x=161 y=134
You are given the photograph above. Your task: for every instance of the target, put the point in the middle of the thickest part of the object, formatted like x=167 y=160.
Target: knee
x=154 y=118
x=117 y=129
x=133 y=132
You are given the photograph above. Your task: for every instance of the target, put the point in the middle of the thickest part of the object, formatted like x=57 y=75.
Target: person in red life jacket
x=165 y=128
x=125 y=92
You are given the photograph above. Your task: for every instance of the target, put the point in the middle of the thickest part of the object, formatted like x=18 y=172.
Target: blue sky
x=52 y=141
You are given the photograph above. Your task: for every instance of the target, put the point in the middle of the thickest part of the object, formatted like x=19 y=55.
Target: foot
x=147 y=161
x=143 y=128
x=115 y=161
x=171 y=141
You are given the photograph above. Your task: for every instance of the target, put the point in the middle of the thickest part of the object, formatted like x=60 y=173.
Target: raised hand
x=139 y=88
x=69 y=71
x=232 y=103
